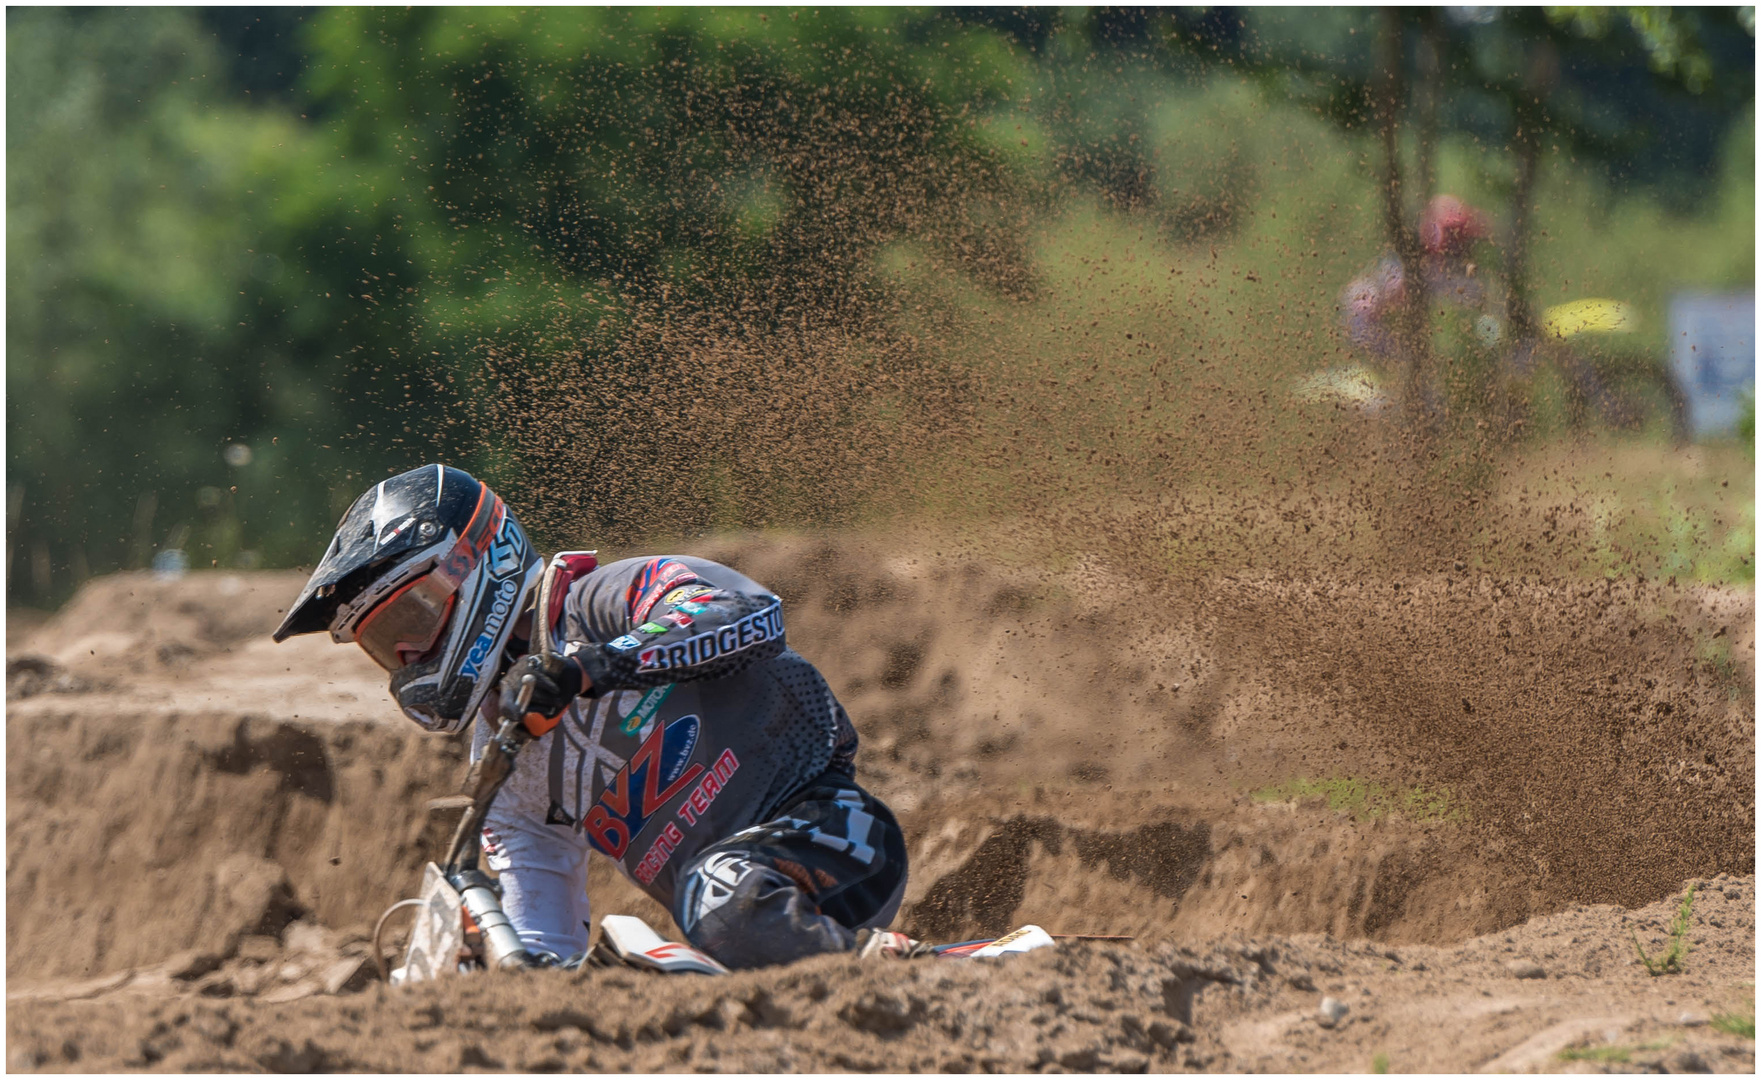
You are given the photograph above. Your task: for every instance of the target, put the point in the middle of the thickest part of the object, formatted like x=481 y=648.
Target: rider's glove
x=551 y=691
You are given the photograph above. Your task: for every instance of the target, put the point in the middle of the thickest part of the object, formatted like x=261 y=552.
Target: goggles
x=408 y=623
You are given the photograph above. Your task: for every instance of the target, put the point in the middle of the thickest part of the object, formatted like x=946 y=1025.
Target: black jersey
x=701 y=720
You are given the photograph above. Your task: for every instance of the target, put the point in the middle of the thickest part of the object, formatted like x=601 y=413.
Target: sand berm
x=1524 y=779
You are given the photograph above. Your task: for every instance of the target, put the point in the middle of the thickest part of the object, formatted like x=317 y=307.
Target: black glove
x=552 y=690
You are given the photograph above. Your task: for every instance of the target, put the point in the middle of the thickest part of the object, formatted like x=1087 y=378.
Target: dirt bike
x=1563 y=329
x=460 y=926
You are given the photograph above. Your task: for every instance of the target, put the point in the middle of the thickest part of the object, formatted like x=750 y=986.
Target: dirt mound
x=1600 y=733
x=195 y=832
x=204 y=825
x=1562 y=989
x=829 y=1013
x=143 y=618
x=198 y=642
x=1074 y=862
x=1037 y=733
x=131 y=838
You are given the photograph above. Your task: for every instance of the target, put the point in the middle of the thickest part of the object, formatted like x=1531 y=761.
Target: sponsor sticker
x=645 y=709
x=684 y=593
x=674 y=618
x=697 y=803
x=625 y=643
x=755 y=629
x=652 y=628
x=691 y=607
x=659 y=771
x=498 y=613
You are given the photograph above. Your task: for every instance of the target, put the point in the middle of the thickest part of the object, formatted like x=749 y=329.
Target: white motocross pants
x=543 y=867
x=833 y=862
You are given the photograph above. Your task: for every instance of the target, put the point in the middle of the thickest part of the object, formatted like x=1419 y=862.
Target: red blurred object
x=1449 y=226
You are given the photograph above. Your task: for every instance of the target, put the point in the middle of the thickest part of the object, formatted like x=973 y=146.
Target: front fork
x=481 y=900
x=478 y=895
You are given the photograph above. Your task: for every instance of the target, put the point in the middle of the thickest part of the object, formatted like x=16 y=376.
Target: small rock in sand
x=1525 y=969
x=1691 y=1019
x=1332 y=1011
x=304 y=937
x=1686 y=1061
x=568 y=1039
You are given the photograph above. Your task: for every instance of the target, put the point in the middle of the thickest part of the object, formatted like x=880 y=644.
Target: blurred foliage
x=148 y=323
x=257 y=255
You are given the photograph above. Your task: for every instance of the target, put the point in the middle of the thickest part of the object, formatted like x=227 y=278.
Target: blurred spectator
x=1449 y=230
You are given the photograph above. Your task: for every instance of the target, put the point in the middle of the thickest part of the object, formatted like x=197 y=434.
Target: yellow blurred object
x=1356 y=385
x=1581 y=316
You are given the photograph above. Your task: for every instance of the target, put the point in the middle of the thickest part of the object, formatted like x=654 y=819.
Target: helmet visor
x=408 y=623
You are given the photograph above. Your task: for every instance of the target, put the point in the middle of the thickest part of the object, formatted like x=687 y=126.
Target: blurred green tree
x=257 y=259
x=133 y=358
x=569 y=183
x=192 y=269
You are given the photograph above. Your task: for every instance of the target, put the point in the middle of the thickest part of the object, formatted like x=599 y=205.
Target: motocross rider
x=683 y=739
x=1449 y=229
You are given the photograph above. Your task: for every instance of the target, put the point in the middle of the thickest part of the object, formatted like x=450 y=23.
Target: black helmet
x=428 y=572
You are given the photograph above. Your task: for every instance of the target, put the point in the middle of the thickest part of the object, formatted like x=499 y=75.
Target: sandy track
x=202 y=826
x=1509 y=1002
